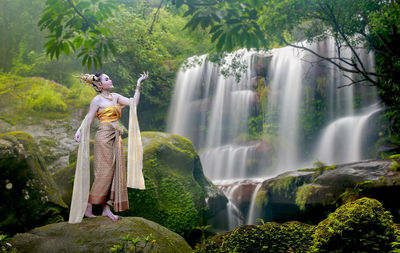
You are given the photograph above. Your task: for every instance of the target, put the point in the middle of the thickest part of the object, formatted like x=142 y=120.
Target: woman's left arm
x=124 y=100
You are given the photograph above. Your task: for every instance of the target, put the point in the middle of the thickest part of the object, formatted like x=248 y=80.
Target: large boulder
x=309 y=194
x=177 y=196
x=29 y=195
x=99 y=234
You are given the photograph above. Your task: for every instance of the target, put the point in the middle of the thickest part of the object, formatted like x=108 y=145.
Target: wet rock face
x=98 y=235
x=309 y=194
x=28 y=194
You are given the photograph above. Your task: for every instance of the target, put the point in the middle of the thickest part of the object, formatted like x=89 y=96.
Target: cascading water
x=214 y=113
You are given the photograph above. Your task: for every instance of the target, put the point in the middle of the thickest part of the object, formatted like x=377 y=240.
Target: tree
x=79 y=26
x=370 y=24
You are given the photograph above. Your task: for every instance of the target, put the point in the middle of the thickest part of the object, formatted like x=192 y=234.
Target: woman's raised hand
x=143 y=77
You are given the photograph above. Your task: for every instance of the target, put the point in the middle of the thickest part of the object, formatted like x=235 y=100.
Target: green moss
x=394 y=166
x=363 y=225
x=396 y=156
x=33 y=98
x=262 y=198
x=302 y=195
x=286 y=186
x=175 y=192
x=269 y=237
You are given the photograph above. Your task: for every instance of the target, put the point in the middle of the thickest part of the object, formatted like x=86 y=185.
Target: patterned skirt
x=109 y=185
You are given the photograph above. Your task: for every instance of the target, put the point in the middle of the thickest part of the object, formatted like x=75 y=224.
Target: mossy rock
x=30 y=196
x=176 y=188
x=269 y=237
x=359 y=226
x=98 y=235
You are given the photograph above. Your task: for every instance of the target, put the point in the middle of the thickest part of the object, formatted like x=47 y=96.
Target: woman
x=109 y=187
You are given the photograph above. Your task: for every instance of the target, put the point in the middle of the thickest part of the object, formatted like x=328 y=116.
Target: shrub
x=362 y=225
x=269 y=238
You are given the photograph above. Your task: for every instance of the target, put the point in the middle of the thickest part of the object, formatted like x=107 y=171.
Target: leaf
x=216 y=35
x=215 y=28
x=221 y=42
x=49 y=43
x=66 y=48
x=228 y=42
x=78 y=41
x=95 y=62
x=89 y=63
x=84 y=60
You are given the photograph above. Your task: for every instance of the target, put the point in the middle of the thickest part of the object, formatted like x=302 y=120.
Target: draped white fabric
x=135 y=177
x=80 y=192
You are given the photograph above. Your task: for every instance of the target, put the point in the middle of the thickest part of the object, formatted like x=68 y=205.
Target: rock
x=309 y=194
x=53 y=130
x=29 y=195
x=97 y=235
x=177 y=196
x=261 y=63
x=176 y=188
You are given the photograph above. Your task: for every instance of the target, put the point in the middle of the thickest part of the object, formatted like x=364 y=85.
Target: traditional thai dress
x=109 y=164
x=111 y=180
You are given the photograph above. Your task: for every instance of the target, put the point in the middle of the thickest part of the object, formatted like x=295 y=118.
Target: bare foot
x=107 y=213
x=88 y=212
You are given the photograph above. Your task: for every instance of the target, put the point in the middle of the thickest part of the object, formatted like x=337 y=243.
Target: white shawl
x=135 y=179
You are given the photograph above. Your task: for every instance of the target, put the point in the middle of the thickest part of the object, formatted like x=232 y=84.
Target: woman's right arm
x=94 y=106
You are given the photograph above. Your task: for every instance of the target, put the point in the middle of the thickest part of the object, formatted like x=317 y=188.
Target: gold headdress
x=90 y=79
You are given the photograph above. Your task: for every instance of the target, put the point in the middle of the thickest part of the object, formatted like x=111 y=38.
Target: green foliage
x=45 y=99
x=26 y=99
x=269 y=237
x=5 y=246
x=78 y=26
x=137 y=244
x=362 y=225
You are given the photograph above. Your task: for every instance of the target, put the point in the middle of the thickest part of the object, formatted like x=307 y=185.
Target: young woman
x=110 y=186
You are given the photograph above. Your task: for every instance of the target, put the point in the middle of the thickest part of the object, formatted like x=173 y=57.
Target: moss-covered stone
x=269 y=237
x=176 y=189
x=97 y=235
x=359 y=226
x=29 y=195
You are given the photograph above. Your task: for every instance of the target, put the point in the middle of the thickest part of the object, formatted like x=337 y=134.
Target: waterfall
x=251 y=219
x=285 y=85
x=341 y=140
x=214 y=112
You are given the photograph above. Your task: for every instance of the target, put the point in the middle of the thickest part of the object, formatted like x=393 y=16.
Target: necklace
x=109 y=98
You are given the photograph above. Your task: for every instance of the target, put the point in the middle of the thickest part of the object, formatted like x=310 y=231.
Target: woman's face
x=106 y=82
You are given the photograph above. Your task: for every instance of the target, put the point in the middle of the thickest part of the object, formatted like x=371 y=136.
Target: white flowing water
x=286 y=79
x=253 y=214
x=214 y=111
x=341 y=140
